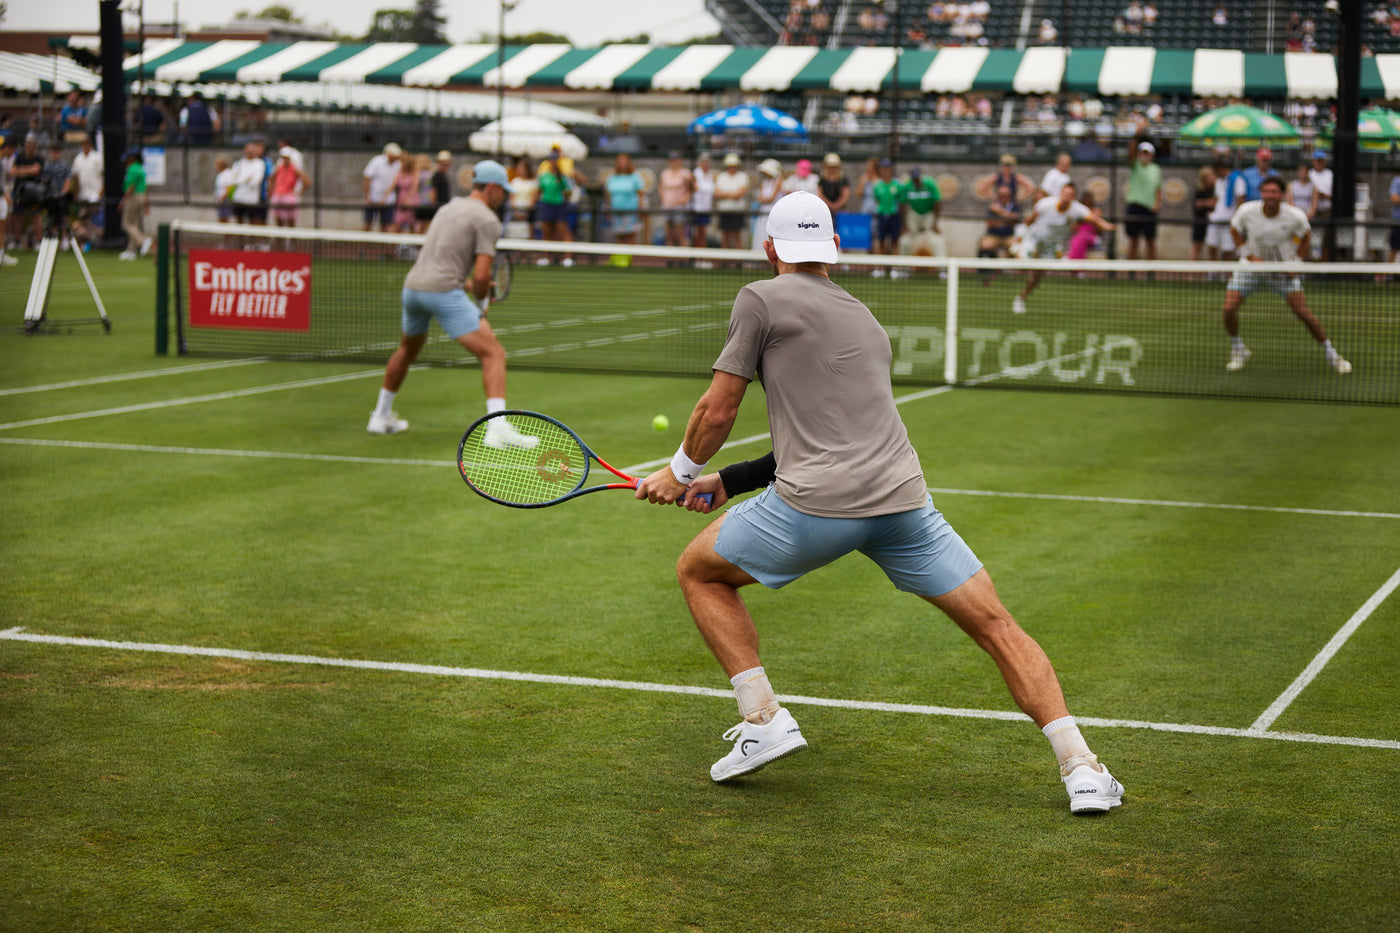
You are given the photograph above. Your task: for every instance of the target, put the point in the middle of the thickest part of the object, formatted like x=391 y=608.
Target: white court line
x=194 y=399
x=145 y=374
x=1167 y=503
x=218 y=452
x=18 y=634
x=1325 y=655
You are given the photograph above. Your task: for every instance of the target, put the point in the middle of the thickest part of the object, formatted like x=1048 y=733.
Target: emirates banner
x=250 y=290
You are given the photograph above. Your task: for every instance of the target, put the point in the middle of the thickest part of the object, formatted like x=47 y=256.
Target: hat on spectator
x=285 y=152
x=392 y=149
x=804 y=168
x=831 y=159
x=491 y=172
x=771 y=167
x=731 y=159
x=800 y=227
x=1319 y=153
x=1222 y=152
x=674 y=154
x=1146 y=147
x=1008 y=159
x=444 y=156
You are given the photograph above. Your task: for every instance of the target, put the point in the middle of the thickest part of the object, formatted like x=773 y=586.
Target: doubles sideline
x=18 y=634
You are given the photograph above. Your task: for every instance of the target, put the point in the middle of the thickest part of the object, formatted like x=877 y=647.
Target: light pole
x=506 y=7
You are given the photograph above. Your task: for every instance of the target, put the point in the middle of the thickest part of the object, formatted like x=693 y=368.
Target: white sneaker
x=1092 y=791
x=1340 y=365
x=146 y=246
x=1238 y=355
x=7 y=260
x=567 y=263
x=501 y=434
x=756 y=746
x=386 y=424
x=899 y=273
x=1018 y=305
x=542 y=261
x=878 y=273
x=126 y=256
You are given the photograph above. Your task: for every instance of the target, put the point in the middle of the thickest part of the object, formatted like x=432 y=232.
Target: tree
x=422 y=24
x=277 y=11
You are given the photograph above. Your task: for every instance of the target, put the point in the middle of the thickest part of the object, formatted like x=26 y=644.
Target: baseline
x=18 y=634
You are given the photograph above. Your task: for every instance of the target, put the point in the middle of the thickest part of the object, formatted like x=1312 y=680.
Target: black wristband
x=748 y=475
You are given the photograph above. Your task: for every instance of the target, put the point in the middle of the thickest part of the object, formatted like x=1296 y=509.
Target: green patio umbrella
x=1238 y=125
x=1377 y=129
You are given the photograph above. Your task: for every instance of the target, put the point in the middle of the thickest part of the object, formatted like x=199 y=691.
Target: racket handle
x=709 y=497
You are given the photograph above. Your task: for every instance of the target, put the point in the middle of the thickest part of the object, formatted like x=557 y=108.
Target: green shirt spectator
x=889 y=195
x=922 y=193
x=552 y=188
x=1145 y=183
x=135 y=182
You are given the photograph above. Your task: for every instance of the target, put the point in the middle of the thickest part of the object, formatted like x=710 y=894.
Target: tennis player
x=456 y=257
x=1268 y=230
x=1052 y=222
x=844 y=477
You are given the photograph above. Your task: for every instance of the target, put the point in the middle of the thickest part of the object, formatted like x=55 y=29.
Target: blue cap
x=1319 y=153
x=491 y=172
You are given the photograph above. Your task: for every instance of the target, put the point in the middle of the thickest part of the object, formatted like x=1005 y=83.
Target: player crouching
x=1267 y=230
x=1052 y=222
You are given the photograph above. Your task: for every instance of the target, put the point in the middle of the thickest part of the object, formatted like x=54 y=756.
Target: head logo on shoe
x=744 y=746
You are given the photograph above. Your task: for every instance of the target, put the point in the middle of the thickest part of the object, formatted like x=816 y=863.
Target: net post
x=163 y=290
x=950 y=332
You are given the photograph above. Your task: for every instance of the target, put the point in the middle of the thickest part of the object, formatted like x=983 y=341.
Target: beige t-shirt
x=824 y=362
x=461 y=230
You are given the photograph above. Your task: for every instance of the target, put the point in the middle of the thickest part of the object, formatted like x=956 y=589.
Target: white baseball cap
x=800 y=227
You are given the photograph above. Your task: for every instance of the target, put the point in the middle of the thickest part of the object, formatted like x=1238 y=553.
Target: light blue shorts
x=775 y=544
x=455 y=311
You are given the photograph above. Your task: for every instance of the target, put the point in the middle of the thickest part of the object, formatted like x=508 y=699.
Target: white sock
x=494 y=405
x=1327 y=348
x=757 y=704
x=1069 y=746
x=386 y=402
x=1237 y=342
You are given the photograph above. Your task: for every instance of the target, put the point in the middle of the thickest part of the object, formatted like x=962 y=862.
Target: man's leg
x=978 y=611
x=397 y=369
x=482 y=344
x=1298 y=303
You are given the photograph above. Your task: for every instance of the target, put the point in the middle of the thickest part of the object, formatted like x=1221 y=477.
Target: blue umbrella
x=749 y=118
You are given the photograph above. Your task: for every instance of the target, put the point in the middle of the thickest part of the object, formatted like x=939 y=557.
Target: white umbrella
x=527 y=135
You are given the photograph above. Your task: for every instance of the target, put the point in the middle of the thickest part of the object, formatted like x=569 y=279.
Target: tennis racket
x=500 y=277
x=527 y=460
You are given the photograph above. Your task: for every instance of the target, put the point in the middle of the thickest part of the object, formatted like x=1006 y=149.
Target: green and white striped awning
x=1114 y=71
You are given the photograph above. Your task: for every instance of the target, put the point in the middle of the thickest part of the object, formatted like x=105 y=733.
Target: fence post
x=163 y=290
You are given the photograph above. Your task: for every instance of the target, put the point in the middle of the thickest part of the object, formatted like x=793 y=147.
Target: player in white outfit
x=1052 y=222
x=1268 y=230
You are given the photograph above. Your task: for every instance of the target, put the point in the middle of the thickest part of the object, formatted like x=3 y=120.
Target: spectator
x=1254 y=176
x=57 y=178
x=407 y=186
x=1091 y=149
x=622 y=193
x=1302 y=193
x=224 y=183
x=1220 y=16
x=1086 y=235
x=1219 y=244
x=27 y=190
x=284 y=190
x=134 y=206
x=552 y=207
x=1021 y=186
x=1201 y=205
x=1144 y=201
x=770 y=188
x=72 y=119
x=1149 y=16
x=439 y=190
x=1133 y=18
x=1048 y=33
x=7 y=132
x=923 y=212
x=732 y=202
x=378 y=182
x=199 y=121
x=38 y=133
x=888 y=193
x=1056 y=177
x=1394 y=219
x=249 y=174
x=801 y=179
x=88 y=187
x=833 y=187
x=702 y=204
x=675 y=186
x=1321 y=177
x=1003 y=215
x=525 y=189
x=150 y=122
x=865 y=187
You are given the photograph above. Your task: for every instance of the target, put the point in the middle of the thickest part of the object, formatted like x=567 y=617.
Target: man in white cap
x=842 y=477
x=459 y=248
x=1144 y=200
x=378 y=181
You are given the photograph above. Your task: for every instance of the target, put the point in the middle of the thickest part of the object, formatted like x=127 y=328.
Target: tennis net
x=1105 y=325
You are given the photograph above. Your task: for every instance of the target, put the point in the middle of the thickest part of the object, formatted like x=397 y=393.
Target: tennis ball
x=661 y=422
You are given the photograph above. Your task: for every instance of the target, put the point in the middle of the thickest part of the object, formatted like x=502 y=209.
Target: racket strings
x=557 y=466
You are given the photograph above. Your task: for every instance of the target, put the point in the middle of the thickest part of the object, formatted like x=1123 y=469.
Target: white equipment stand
x=36 y=318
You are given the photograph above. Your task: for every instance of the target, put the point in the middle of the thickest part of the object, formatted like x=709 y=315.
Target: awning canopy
x=1111 y=72
x=44 y=74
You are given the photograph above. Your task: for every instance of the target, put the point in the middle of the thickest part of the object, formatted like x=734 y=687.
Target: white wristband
x=684 y=469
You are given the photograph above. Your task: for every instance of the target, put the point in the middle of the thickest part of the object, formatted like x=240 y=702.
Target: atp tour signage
x=250 y=291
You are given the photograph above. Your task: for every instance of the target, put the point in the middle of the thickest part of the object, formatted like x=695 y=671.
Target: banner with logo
x=250 y=290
